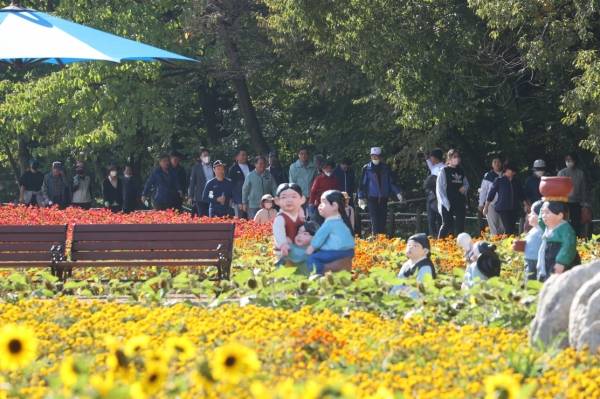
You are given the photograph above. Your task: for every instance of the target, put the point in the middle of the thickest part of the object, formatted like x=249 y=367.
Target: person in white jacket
x=493 y=218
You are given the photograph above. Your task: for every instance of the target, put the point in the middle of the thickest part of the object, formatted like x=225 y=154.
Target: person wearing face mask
x=451 y=188
x=532 y=186
x=324 y=182
x=31 y=185
x=56 y=189
x=201 y=173
x=258 y=183
x=374 y=188
x=510 y=196
x=493 y=217
x=276 y=170
x=112 y=190
x=577 y=196
x=82 y=188
x=130 y=191
x=267 y=212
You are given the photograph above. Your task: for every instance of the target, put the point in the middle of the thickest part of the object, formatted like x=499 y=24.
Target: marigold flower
x=18 y=347
x=233 y=362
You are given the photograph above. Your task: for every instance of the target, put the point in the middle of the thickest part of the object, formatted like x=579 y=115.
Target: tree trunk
x=243 y=96
x=210 y=110
x=13 y=164
x=24 y=155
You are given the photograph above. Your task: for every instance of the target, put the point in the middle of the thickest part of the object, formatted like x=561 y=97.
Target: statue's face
x=290 y=201
x=415 y=251
x=551 y=219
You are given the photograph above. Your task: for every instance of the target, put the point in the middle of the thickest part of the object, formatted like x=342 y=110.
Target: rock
x=554 y=304
x=585 y=310
x=590 y=336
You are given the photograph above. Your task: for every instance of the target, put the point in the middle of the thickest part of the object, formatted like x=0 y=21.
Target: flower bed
x=111 y=350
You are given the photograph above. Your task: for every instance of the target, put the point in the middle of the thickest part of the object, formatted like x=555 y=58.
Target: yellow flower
x=136 y=345
x=383 y=393
x=182 y=346
x=259 y=391
x=501 y=386
x=153 y=378
x=234 y=361
x=18 y=347
x=103 y=385
x=69 y=372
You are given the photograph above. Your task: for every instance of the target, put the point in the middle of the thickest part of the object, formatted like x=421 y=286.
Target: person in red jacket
x=324 y=182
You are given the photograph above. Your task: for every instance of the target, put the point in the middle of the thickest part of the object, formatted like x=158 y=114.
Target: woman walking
x=451 y=187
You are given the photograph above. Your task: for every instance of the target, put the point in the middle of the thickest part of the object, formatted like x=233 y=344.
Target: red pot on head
x=554 y=186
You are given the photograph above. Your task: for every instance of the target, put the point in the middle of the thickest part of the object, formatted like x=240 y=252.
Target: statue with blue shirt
x=418 y=252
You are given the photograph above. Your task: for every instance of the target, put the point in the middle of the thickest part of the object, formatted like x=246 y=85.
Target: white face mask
x=268 y=205
x=327 y=174
x=127 y=176
x=455 y=161
x=206 y=160
x=113 y=173
x=375 y=161
x=539 y=173
x=570 y=164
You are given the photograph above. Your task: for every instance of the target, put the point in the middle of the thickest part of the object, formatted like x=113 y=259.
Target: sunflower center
x=230 y=361
x=153 y=378
x=15 y=346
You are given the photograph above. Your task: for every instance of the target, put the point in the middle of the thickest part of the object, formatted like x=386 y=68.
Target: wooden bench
x=32 y=246
x=130 y=245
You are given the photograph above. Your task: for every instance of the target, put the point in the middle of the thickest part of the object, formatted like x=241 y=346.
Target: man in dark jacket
x=56 y=188
x=276 y=170
x=346 y=177
x=181 y=177
x=164 y=182
x=219 y=192
x=237 y=174
x=374 y=188
x=130 y=191
x=201 y=173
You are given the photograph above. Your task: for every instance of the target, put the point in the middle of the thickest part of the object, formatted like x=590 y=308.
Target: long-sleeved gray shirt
x=578 y=194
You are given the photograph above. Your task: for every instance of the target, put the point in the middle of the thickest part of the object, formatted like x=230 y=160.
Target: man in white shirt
x=435 y=164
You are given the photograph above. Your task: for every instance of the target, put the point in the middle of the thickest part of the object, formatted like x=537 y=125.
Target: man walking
x=258 y=183
x=346 y=177
x=276 y=170
x=435 y=164
x=303 y=172
x=201 y=173
x=31 y=185
x=374 y=189
x=219 y=192
x=237 y=174
x=56 y=188
x=165 y=184
x=493 y=217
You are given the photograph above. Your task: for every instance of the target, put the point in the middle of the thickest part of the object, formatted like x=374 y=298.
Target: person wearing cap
x=303 y=172
x=450 y=189
x=219 y=192
x=181 y=177
x=267 y=213
x=418 y=265
x=510 y=195
x=324 y=182
x=112 y=190
x=238 y=173
x=435 y=164
x=374 y=188
x=493 y=217
x=484 y=264
x=200 y=174
x=258 y=183
x=346 y=176
x=56 y=189
x=532 y=183
x=276 y=170
x=164 y=182
x=30 y=185
x=82 y=188
x=577 y=196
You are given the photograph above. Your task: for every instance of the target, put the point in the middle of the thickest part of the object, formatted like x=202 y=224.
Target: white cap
x=375 y=150
x=464 y=241
x=539 y=164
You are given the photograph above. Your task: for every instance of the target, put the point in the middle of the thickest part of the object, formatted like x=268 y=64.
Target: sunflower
x=234 y=361
x=69 y=372
x=153 y=378
x=18 y=347
x=501 y=386
x=135 y=345
x=103 y=385
x=182 y=346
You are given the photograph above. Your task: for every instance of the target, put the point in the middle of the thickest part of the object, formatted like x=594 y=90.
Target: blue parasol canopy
x=28 y=37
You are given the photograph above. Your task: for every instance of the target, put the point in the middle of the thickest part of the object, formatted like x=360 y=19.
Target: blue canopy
x=28 y=37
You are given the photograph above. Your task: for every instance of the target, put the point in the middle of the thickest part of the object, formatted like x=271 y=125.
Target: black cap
x=111 y=166
x=218 y=163
x=489 y=264
x=273 y=154
x=422 y=239
x=329 y=163
x=346 y=161
x=438 y=153
x=57 y=165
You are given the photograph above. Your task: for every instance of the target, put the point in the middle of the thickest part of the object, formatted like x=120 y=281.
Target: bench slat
x=139 y=245
x=13 y=264
x=159 y=228
x=29 y=246
x=41 y=256
x=32 y=237
x=135 y=263
x=150 y=236
x=144 y=255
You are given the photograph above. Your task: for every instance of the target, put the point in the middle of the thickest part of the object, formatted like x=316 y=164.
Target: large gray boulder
x=585 y=311
x=554 y=304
